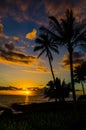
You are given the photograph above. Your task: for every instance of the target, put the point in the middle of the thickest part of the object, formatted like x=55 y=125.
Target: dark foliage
x=58 y=90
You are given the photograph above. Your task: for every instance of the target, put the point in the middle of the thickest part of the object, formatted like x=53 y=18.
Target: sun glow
x=27 y=92
x=17 y=92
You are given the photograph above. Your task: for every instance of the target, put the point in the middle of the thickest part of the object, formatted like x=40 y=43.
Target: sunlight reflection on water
x=26 y=99
x=10 y=99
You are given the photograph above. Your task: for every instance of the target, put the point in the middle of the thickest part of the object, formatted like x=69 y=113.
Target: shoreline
x=48 y=116
x=16 y=108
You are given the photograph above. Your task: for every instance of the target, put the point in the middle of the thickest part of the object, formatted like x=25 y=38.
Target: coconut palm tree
x=80 y=75
x=69 y=33
x=45 y=44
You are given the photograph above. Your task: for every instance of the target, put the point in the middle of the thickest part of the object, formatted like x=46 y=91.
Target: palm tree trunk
x=83 y=88
x=51 y=68
x=71 y=73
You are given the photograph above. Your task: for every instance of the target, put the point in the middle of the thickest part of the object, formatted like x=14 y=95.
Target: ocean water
x=7 y=100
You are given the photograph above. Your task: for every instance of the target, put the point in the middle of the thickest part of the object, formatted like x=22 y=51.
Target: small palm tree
x=46 y=44
x=60 y=91
x=80 y=75
x=69 y=33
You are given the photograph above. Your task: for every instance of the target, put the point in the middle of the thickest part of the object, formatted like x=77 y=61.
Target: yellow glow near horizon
x=17 y=92
x=25 y=84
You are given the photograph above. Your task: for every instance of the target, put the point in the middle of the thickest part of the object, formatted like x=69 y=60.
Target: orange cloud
x=10 y=55
x=2 y=35
x=27 y=61
x=38 y=69
x=31 y=35
x=23 y=6
x=1 y=28
x=15 y=38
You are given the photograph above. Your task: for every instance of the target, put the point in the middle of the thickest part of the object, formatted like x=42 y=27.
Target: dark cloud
x=9 y=45
x=31 y=10
x=20 y=10
x=57 y=8
x=17 y=58
x=9 y=88
x=9 y=52
x=78 y=58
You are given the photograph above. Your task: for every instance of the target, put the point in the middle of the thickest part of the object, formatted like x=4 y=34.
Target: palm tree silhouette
x=60 y=91
x=80 y=75
x=46 y=44
x=69 y=33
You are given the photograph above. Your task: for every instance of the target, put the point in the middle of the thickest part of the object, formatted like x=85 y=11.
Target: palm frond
x=80 y=26
x=54 y=23
x=80 y=38
x=41 y=53
x=37 y=48
x=53 y=35
x=39 y=41
x=44 y=37
x=54 y=49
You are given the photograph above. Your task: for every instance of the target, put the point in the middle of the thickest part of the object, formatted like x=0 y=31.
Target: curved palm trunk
x=71 y=73
x=83 y=88
x=51 y=68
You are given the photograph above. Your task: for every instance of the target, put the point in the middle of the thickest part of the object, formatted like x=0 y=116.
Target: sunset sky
x=19 y=26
